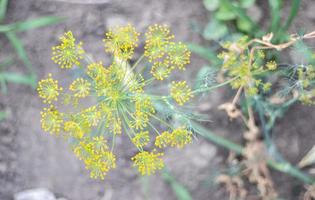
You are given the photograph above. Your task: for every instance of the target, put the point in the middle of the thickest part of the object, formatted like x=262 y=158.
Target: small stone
x=35 y=194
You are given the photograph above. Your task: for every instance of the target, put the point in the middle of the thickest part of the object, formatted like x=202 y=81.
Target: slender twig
x=284 y=167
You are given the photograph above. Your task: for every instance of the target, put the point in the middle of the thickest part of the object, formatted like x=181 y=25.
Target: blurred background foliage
x=11 y=31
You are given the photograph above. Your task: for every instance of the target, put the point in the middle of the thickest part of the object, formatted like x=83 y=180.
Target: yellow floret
x=180 y=137
x=74 y=129
x=121 y=41
x=96 y=71
x=68 y=53
x=161 y=70
x=148 y=162
x=80 y=87
x=48 y=89
x=141 y=139
x=180 y=92
x=163 y=140
x=51 y=120
x=92 y=116
x=100 y=144
x=157 y=39
x=179 y=55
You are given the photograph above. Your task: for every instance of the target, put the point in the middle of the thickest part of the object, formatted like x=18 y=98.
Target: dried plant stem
x=283 y=167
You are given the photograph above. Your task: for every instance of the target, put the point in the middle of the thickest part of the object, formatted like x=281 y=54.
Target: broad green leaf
x=244 y=25
x=247 y=3
x=31 y=24
x=215 y=30
x=2 y=115
x=3 y=9
x=225 y=13
x=205 y=53
x=211 y=5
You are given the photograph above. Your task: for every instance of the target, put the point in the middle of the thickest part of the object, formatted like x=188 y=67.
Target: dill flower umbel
x=148 y=162
x=51 y=120
x=80 y=87
x=181 y=92
x=68 y=53
x=141 y=139
x=118 y=99
x=158 y=38
x=48 y=89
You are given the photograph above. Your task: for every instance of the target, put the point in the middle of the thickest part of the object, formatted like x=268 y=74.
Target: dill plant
x=123 y=101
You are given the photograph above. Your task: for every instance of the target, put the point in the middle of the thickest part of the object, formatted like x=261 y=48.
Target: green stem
x=136 y=63
x=214 y=87
x=284 y=167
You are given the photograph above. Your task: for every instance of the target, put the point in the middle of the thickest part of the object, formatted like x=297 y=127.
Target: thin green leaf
x=180 y=191
x=205 y=53
x=31 y=24
x=295 y=5
x=17 y=78
x=3 y=9
x=3 y=84
x=225 y=12
x=17 y=45
x=2 y=115
x=275 y=8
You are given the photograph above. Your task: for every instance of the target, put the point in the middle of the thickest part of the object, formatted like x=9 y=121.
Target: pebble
x=35 y=194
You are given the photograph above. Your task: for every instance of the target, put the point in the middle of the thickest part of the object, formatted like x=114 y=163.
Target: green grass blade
x=275 y=9
x=2 y=115
x=3 y=85
x=31 y=24
x=180 y=191
x=295 y=5
x=17 y=45
x=3 y=9
x=17 y=78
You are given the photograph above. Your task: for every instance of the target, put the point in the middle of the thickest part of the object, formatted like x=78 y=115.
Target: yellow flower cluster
x=148 y=162
x=306 y=85
x=96 y=156
x=141 y=139
x=120 y=102
x=51 y=120
x=180 y=92
x=48 y=89
x=121 y=41
x=68 y=53
x=178 y=138
x=165 y=54
x=80 y=87
x=238 y=64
